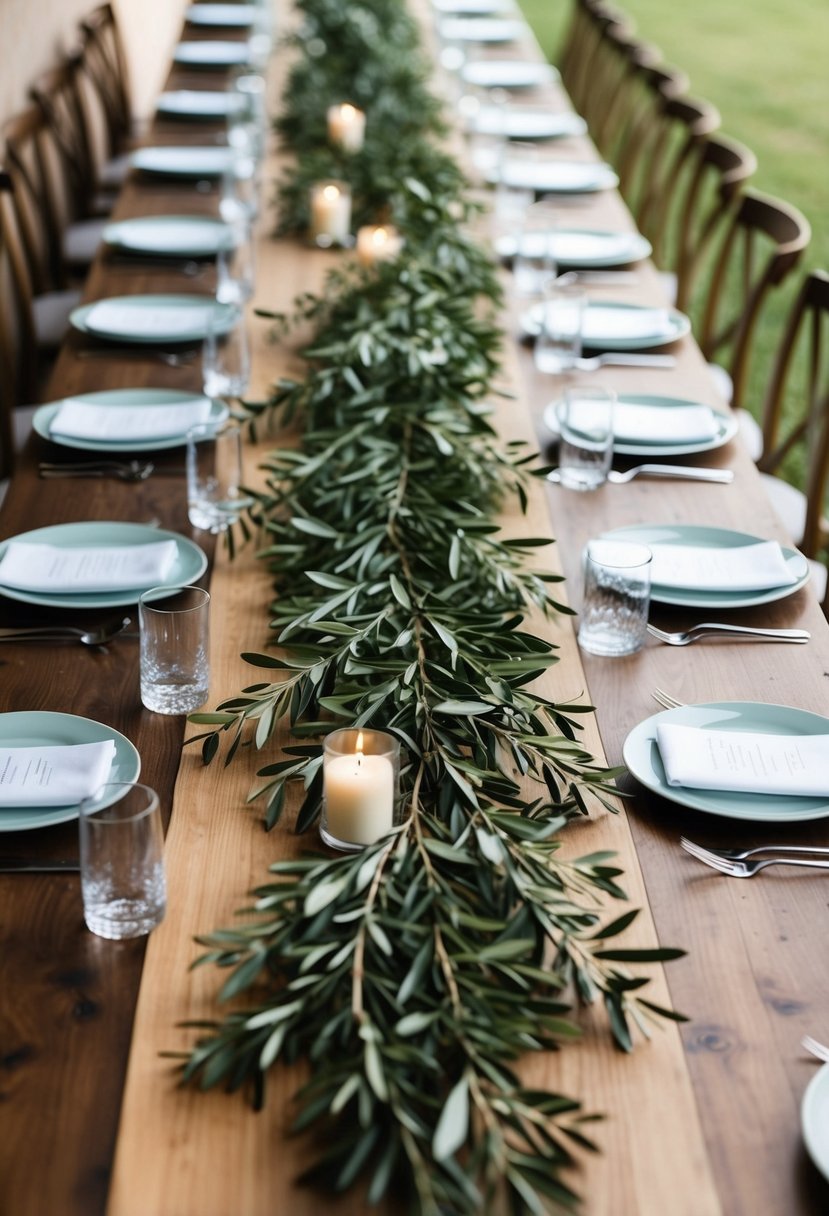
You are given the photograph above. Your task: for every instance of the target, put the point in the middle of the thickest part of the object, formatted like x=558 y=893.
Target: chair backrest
x=762 y=245
x=584 y=63
x=18 y=373
x=635 y=155
x=796 y=405
x=625 y=56
x=25 y=158
x=104 y=68
x=58 y=93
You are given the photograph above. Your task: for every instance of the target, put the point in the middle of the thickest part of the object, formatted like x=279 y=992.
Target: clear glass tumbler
x=585 y=447
x=214 y=475
x=617 y=585
x=561 y=317
x=174 y=627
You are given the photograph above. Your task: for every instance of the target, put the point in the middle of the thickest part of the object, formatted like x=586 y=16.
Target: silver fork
x=665 y=699
x=817 y=1049
x=592 y=363
x=680 y=472
x=685 y=636
x=132 y=470
x=710 y=854
x=170 y=358
x=747 y=869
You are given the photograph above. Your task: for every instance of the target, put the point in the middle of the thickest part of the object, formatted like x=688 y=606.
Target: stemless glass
x=214 y=477
x=174 y=630
x=235 y=275
x=585 y=448
x=617 y=583
x=226 y=359
x=558 y=344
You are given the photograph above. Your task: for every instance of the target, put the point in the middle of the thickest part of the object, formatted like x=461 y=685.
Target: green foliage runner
x=413 y=975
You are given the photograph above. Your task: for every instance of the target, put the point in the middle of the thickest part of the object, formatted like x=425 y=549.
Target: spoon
x=68 y=633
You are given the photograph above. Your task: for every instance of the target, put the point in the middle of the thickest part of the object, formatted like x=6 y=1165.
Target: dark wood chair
x=106 y=102
x=584 y=60
x=626 y=56
x=635 y=155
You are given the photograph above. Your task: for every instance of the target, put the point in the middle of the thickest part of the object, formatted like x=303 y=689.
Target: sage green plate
x=581 y=248
x=209 y=105
x=147 y=310
x=473 y=8
x=726 y=428
x=814 y=1119
x=508 y=74
x=193 y=236
x=678 y=326
x=226 y=16
x=212 y=54
x=528 y=122
x=123 y=398
x=553 y=176
x=190 y=563
x=716 y=538
x=641 y=755
x=40 y=728
x=186 y=162
x=492 y=30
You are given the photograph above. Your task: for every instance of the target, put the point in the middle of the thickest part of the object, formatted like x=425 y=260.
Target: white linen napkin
x=741 y=568
x=602 y=324
x=554 y=175
x=106 y=423
x=658 y=424
x=111 y=317
x=744 y=762
x=49 y=569
x=53 y=776
x=584 y=246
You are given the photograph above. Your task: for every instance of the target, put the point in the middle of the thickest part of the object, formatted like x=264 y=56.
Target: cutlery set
x=97 y=636
x=121 y=470
x=745 y=863
x=667 y=471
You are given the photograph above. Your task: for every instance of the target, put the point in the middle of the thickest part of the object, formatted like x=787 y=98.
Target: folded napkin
x=602 y=324
x=745 y=762
x=584 y=246
x=170 y=321
x=53 y=776
x=49 y=569
x=657 y=424
x=741 y=568
x=171 y=236
x=554 y=175
x=106 y=423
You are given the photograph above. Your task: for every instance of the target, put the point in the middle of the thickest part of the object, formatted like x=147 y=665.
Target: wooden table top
x=702 y=1119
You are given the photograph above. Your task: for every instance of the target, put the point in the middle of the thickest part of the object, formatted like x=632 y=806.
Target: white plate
x=208 y=104
x=814 y=1119
x=150 y=320
x=726 y=424
x=618 y=316
x=212 y=54
x=226 y=16
x=699 y=535
x=194 y=236
x=40 y=728
x=641 y=755
x=189 y=566
x=554 y=176
x=491 y=30
x=580 y=248
x=508 y=74
x=529 y=122
x=172 y=161
x=124 y=398
x=473 y=8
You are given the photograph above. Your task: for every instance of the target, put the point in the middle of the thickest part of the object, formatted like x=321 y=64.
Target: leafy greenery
x=413 y=975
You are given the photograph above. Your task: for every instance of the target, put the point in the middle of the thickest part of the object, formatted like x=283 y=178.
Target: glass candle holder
x=377 y=243
x=361 y=777
x=346 y=127
x=330 y=214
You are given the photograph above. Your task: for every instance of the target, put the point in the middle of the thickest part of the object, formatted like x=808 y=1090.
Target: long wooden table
x=702 y=1119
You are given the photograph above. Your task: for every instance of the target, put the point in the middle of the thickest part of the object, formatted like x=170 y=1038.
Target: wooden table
x=700 y=1120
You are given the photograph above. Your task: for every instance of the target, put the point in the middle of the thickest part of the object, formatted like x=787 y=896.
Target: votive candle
x=377 y=243
x=360 y=774
x=330 y=213
x=346 y=127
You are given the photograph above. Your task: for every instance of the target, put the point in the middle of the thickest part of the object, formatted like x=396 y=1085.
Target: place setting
x=115 y=421
x=213 y=53
x=169 y=237
x=188 y=162
x=200 y=105
x=155 y=319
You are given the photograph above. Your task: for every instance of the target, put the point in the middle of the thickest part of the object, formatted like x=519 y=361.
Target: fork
x=685 y=636
x=747 y=869
x=132 y=470
x=665 y=699
x=592 y=363
x=170 y=358
x=816 y=1048
x=682 y=472
x=707 y=854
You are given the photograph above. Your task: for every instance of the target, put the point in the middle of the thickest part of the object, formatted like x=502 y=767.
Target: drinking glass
x=214 y=476
x=122 y=861
x=174 y=630
x=226 y=360
x=585 y=425
x=617 y=584
x=533 y=265
x=239 y=198
x=561 y=316
x=235 y=266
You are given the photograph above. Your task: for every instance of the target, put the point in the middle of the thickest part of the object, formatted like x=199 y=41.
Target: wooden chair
x=583 y=62
x=634 y=157
x=105 y=96
x=626 y=57
x=795 y=418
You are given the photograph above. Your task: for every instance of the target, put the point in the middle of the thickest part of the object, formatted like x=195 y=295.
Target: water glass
x=122 y=861
x=226 y=360
x=235 y=266
x=174 y=626
x=617 y=585
x=585 y=425
x=239 y=199
x=561 y=317
x=214 y=477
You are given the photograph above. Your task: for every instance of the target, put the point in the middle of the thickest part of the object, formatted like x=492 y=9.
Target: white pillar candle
x=346 y=127
x=330 y=213
x=359 y=797
x=377 y=243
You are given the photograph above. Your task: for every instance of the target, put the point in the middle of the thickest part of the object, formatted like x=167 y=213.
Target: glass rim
x=631 y=555
x=89 y=807
x=161 y=593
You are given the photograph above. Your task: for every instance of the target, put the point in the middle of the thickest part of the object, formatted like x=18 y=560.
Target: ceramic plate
x=554 y=176
x=716 y=538
x=582 y=248
x=209 y=104
x=190 y=563
x=617 y=317
x=473 y=8
x=42 y=729
x=481 y=29
x=228 y=16
x=120 y=399
x=150 y=320
x=192 y=236
x=529 y=123
x=641 y=755
x=726 y=428
x=187 y=162
x=508 y=74
x=212 y=54
x=814 y=1119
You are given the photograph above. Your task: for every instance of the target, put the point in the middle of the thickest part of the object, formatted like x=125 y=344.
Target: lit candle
x=359 y=788
x=346 y=127
x=377 y=243
x=330 y=213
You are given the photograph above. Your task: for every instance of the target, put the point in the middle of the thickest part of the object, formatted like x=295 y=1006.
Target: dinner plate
x=168 y=160
x=226 y=16
x=473 y=8
x=124 y=398
x=207 y=104
x=553 y=176
x=492 y=30
x=212 y=54
x=814 y=1119
x=580 y=247
x=192 y=236
x=508 y=74
x=726 y=425
x=538 y=122
x=190 y=563
x=716 y=538
x=40 y=728
x=641 y=755
x=616 y=316
x=150 y=320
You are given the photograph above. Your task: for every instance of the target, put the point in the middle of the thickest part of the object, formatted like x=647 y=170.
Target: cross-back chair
x=583 y=64
x=625 y=57
x=105 y=99
x=653 y=85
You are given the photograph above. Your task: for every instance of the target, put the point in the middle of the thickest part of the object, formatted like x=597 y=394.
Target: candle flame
x=347 y=111
x=330 y=193
x=360 y=742
x=380 y=236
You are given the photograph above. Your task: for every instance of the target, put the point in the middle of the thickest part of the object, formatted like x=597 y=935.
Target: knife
x=20 y=865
